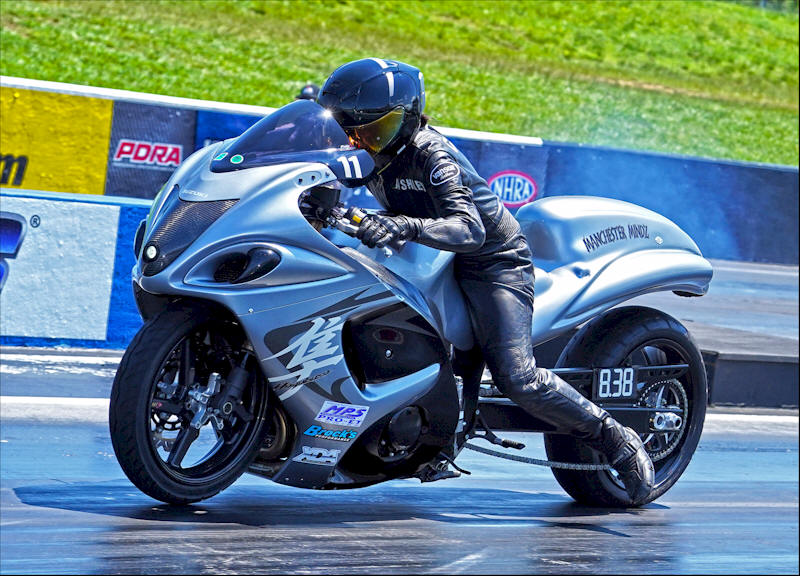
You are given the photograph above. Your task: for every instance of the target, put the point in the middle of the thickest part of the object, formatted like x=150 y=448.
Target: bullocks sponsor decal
x=514 y=188
x=338 y=435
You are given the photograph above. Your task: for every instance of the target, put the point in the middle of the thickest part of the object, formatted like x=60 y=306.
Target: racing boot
x=627 y=455
x=553 y=400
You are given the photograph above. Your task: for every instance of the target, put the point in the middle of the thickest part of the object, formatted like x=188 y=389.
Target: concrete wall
x=66 y=270
x=80 y=165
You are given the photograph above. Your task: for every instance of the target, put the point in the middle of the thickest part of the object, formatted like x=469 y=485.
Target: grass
x=715 y=79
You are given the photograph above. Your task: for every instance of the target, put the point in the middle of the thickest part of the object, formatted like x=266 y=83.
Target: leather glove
x=378 y=230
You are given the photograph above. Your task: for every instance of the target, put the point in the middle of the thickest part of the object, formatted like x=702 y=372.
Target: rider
x=434 y=196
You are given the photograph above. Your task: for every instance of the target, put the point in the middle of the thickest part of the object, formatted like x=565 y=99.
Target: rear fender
x=594 y=253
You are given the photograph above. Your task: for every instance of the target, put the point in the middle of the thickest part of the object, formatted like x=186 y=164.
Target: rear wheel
x=188 y=407
x=636 y=337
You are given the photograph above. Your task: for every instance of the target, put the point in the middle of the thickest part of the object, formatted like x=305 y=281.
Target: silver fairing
x=294 y=315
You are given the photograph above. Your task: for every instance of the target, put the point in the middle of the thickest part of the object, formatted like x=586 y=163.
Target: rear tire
x=154 y=362
x=625 y=337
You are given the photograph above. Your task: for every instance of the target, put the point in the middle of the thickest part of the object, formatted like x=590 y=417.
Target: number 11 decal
x=348 y=173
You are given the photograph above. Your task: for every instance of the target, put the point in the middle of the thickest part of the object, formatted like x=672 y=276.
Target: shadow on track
x=286 y=507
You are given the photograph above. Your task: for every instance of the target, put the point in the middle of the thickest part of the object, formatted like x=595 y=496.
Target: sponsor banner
x=58 y=262
x=216 y=126
x=124 y=321
x=51 y=141
x=515 y=172
x=147 y=143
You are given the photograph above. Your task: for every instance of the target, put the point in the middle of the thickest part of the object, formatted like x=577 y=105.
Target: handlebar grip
x=397 y=245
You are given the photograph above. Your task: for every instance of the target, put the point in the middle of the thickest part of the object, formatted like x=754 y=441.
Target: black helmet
x=379 y=104
x=308 y=92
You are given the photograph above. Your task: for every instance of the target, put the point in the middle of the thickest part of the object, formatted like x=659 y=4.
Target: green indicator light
x=237 y=159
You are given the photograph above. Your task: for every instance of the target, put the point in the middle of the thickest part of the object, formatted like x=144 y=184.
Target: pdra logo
x=514 y=188
x=141 y=152
x=12 y=232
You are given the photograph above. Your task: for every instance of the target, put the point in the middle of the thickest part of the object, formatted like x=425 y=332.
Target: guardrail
x=65 y=270
x=79 y=166
x=76 y=139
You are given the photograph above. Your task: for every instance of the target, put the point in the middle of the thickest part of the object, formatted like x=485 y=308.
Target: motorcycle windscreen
x=302 y=131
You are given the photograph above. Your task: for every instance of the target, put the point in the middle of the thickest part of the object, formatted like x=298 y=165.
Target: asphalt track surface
x=66 y=506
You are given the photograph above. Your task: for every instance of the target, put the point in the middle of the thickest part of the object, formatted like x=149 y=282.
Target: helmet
x=379 y=104
x=308 y=92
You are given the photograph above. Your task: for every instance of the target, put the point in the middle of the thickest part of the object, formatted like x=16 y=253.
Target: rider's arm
x=458 y=226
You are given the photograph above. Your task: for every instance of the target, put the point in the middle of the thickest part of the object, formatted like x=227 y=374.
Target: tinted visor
x=376 y=135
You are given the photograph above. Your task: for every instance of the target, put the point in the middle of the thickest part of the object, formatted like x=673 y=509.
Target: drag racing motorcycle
x=275 y=343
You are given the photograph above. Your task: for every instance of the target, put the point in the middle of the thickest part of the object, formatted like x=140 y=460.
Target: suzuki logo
x=12 y=232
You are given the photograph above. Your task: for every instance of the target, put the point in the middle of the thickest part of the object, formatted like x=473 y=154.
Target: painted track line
x=95 y=410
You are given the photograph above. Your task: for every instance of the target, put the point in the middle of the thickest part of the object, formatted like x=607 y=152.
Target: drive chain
x=536 y=461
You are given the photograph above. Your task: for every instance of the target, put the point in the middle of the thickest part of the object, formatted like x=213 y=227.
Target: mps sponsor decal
x=321 y=456
x=338 y=435
x=444 y=172
x=141 y=152
x=59 y=283
x=12 y=232
x=351 y=415
x=514 y=188
x=52 y=141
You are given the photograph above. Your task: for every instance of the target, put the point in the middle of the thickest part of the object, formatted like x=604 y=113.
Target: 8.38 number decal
x=615 y=382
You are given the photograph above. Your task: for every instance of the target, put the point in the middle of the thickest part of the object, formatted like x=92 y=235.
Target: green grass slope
x=708 y=78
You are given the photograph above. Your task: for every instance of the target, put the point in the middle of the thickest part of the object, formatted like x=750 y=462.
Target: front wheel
x=636 y=336
x=188 y=406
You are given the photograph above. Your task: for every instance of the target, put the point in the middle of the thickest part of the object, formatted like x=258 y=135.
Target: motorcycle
x=276 y=343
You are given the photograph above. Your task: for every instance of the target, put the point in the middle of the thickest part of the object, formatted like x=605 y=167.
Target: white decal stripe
x=380 y=62
x=390 y=79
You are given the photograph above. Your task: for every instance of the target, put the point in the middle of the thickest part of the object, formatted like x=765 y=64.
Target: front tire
x=627 y=337
x=159 y=388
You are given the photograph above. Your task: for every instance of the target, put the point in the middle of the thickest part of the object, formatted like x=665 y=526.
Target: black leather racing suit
x=453 y=209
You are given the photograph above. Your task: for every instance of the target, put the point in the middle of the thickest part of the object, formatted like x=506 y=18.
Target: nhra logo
x=12 y=232
x=148 y=153
x=514 y=188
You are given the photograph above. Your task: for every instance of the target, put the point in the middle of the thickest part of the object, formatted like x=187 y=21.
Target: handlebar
x=348 y=220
